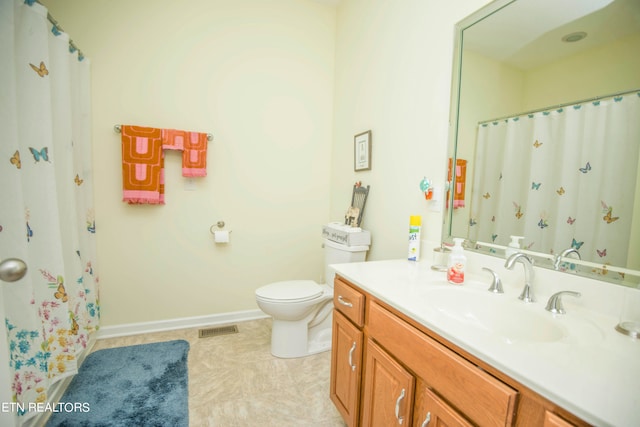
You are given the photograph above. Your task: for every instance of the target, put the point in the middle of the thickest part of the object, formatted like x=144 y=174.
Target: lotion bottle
x=514 y=246
x=457 y=263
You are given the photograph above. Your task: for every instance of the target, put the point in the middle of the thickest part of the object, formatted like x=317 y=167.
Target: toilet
x=301 y=309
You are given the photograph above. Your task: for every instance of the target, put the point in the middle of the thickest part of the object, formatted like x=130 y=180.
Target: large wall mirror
x=545 y=134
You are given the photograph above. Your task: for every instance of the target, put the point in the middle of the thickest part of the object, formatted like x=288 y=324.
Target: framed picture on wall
x=362 y=151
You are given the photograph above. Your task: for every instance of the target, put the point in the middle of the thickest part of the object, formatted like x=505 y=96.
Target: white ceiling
x=528 y=33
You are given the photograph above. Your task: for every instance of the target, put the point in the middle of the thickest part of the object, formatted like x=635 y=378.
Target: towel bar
x=118 y=129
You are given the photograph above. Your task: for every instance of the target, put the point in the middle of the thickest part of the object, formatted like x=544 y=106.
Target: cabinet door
x=553 y=420
x=432 y=411
x=387 y=398
x=346 y=368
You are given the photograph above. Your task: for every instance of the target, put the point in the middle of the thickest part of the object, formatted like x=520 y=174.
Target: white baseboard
x=180 y=323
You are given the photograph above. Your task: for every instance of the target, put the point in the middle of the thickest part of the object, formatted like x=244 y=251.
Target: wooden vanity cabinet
x=476 y=395
x=376 y=387
x=408 y=376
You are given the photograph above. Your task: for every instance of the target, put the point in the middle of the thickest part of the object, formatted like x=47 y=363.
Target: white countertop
x=593 y=373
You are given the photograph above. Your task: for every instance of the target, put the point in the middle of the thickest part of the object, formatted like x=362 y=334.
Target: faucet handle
x=554 y=305
x=496 y=285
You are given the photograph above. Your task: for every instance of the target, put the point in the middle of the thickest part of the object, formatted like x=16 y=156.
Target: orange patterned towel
x=194 y=150
x=142 y=165
x=461 y=178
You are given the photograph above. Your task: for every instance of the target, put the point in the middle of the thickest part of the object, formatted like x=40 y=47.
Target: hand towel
x=461 y=177
x=194 y=150
x=142 y=165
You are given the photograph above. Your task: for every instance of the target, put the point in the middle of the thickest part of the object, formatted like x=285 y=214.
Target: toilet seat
x=290 y=291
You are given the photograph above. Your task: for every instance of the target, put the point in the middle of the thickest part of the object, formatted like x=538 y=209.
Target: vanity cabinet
x=406 y=375
x=482 y=399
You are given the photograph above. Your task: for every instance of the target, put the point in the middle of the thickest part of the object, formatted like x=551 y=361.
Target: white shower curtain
x=46 y=208
x=561 y=178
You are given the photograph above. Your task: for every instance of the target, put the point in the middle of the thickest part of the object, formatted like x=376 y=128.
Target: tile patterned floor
x=234 y=381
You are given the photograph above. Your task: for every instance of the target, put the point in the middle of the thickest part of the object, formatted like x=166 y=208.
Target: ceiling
x=526 y=35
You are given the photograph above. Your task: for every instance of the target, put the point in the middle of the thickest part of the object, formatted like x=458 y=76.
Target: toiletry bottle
x=514 y=246
x=415 y=222
x=457 y=263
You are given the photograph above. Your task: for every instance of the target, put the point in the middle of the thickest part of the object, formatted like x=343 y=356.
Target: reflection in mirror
x=546 y=121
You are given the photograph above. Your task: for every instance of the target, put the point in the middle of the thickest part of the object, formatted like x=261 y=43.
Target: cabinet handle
x=343 y=302
x=426 y=421
x=353 y=348
x=398 y=417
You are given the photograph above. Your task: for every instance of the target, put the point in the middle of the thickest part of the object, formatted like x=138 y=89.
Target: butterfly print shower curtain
x=46 y=213
x=562 y=178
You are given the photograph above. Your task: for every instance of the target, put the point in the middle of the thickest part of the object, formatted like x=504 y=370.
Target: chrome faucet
x=566 y=252
x=527 y=262
x=554 y=304
x=496 y=284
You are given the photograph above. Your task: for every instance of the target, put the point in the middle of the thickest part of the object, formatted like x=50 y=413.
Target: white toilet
x=301 y=309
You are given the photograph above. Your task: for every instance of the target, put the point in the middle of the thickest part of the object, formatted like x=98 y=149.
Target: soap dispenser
x=514 y=246
x=457 y=263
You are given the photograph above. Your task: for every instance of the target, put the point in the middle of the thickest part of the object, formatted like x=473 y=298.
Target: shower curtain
x=563 y=178
x=46 y=208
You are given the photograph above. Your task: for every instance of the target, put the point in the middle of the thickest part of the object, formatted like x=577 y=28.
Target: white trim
x=180 y=323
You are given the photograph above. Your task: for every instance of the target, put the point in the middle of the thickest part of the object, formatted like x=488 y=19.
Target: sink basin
x=514 y=321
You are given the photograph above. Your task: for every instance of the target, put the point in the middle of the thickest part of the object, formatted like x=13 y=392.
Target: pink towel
x=142 y=165
x=194 y=150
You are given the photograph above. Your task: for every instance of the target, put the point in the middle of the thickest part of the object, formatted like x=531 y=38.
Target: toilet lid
x=292 y=290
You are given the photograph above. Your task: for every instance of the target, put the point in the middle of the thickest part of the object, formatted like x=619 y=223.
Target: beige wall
x=284 y=86
x=393 y=77
x=259 y=78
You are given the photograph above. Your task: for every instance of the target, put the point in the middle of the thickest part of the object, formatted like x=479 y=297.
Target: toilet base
x=320 y=342
x=295 y=339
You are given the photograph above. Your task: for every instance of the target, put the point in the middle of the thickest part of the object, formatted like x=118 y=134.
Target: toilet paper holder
x=220 y=225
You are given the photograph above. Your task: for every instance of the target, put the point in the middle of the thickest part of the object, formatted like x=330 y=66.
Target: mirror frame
x=588 y=269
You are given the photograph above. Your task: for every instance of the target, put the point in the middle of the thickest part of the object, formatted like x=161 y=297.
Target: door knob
x=12 y=269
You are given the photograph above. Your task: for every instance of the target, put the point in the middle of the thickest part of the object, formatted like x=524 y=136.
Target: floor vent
x=214 y=332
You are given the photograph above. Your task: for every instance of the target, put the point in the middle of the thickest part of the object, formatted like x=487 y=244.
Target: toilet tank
x=336 y=253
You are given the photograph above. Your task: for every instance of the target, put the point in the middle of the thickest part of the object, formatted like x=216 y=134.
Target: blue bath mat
x=139 y=385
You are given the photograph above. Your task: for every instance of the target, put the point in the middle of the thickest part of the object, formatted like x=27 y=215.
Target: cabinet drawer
x=485 y=400
x=430 y=410
x=348 y=301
